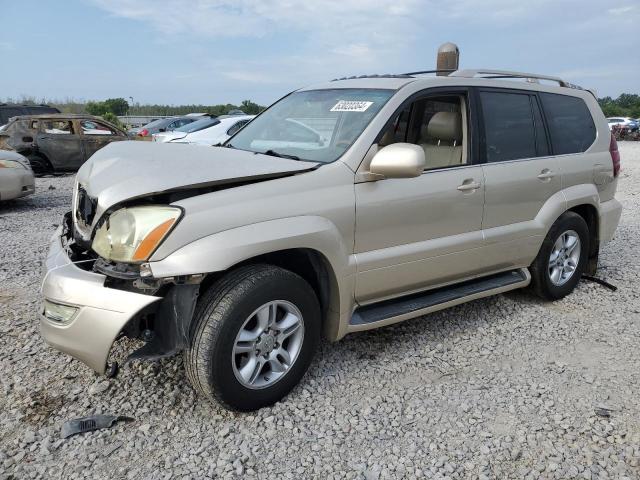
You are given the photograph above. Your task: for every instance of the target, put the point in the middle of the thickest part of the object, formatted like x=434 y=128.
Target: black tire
x=219 y=316
x=40 y=165
x=540 y=277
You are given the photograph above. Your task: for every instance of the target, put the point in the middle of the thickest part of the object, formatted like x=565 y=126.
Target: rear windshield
x=7 y=112
x=158 y=123
x=570 y=124
x=198 y=125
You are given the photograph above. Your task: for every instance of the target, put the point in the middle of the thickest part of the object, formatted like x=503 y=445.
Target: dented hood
x=127 y=170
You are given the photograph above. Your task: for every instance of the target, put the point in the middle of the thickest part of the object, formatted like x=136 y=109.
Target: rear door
x=96 y=135
x=60 y=142
x=573 y=132
x=520 y=173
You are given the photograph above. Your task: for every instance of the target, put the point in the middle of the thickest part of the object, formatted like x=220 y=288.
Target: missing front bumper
x=102 y=312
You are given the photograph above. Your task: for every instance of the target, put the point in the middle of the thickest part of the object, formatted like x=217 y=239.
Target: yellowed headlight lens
x=10 y=164
x=133 y=234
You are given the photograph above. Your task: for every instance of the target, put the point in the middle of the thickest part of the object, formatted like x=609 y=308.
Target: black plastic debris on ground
x=603 y=411
x=600 y=281
x=91 y=423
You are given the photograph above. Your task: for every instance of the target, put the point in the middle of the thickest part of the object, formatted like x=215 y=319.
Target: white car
x=221 y=130
x=184 y=130
x=622 y=121
x=16 y=176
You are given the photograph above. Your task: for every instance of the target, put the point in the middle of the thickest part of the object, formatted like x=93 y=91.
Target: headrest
x=445 y=126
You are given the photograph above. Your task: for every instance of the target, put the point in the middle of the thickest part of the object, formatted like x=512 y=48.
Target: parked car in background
x=163 y=125
x=624 y=122
x=58 y=142
x=8 y=111
x=199 y=124
x=214 y=134
x=16 y=176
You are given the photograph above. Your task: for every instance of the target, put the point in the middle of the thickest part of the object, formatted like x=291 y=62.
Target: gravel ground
x=505 y=387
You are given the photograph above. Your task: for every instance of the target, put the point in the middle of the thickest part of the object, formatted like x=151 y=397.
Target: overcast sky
x=218 y=51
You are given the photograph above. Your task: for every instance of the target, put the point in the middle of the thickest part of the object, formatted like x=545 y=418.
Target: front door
x=96 y=135
x=416 y=233
x=59 y=141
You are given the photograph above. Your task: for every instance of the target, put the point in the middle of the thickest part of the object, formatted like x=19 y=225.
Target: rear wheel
x=562 y=257
x=253 y=337
x=40 y=165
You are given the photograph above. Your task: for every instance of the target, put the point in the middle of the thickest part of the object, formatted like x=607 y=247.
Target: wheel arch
x=590 y=215
x=309 y=246
x=312 y=265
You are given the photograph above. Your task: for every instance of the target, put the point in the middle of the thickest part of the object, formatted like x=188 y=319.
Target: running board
x=398 y=309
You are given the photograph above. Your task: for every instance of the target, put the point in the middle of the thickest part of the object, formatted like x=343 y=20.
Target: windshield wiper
x=273 y=153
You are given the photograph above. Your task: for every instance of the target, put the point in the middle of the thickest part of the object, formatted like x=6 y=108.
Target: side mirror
x=398 y=160
x=162 y=129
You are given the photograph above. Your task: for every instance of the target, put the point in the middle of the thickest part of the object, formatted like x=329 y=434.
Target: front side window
x=570 y=124
x=316 y=125
x=91 y=127
x=57 y=127
x=437 y=124
x=509 y=126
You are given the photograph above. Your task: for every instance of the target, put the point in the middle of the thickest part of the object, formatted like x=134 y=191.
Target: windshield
x=198 y=125
x=316 y=125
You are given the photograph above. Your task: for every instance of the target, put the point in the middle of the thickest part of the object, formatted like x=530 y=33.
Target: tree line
x=626 y=105
x=120 y=106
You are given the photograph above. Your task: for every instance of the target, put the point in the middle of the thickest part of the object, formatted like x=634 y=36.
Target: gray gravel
x=506 y=387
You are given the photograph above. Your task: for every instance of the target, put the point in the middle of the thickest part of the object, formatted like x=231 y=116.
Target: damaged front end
x=163 y=325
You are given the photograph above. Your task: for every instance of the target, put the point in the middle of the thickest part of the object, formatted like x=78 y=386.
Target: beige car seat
x=441 y=140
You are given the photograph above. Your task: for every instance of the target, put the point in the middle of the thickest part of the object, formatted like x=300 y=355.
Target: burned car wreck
x=58 y=142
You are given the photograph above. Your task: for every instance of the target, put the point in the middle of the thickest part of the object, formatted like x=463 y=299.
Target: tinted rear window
x=570 y=124
x=509 y=126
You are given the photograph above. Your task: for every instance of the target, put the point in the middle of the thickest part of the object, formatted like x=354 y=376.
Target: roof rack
x=424 y=72
x=375 y=75
x=530 y=77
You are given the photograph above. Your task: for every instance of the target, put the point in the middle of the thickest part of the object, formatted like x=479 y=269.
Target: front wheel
x=253 y=336
x=562 y=257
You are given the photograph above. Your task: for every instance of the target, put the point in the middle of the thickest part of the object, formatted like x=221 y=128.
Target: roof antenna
x=448 y=59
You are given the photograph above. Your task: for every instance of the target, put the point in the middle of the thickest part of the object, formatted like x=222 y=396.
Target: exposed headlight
x=11 y=164
x=133 y=234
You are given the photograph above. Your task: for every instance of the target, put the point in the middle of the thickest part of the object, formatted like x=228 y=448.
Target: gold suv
x=344 y=206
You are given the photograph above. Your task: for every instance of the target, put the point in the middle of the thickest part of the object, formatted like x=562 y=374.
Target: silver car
x=16 y=176
x=345 y=206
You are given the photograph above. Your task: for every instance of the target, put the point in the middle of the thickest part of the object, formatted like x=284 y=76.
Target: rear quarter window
x=570 y=124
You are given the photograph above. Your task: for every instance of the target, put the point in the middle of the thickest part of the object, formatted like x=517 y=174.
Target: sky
x=224 y=51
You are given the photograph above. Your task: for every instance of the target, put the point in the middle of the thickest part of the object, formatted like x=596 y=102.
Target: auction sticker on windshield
x=351 y=106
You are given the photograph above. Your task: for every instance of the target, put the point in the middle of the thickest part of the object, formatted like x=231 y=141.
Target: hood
x=134 y=169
